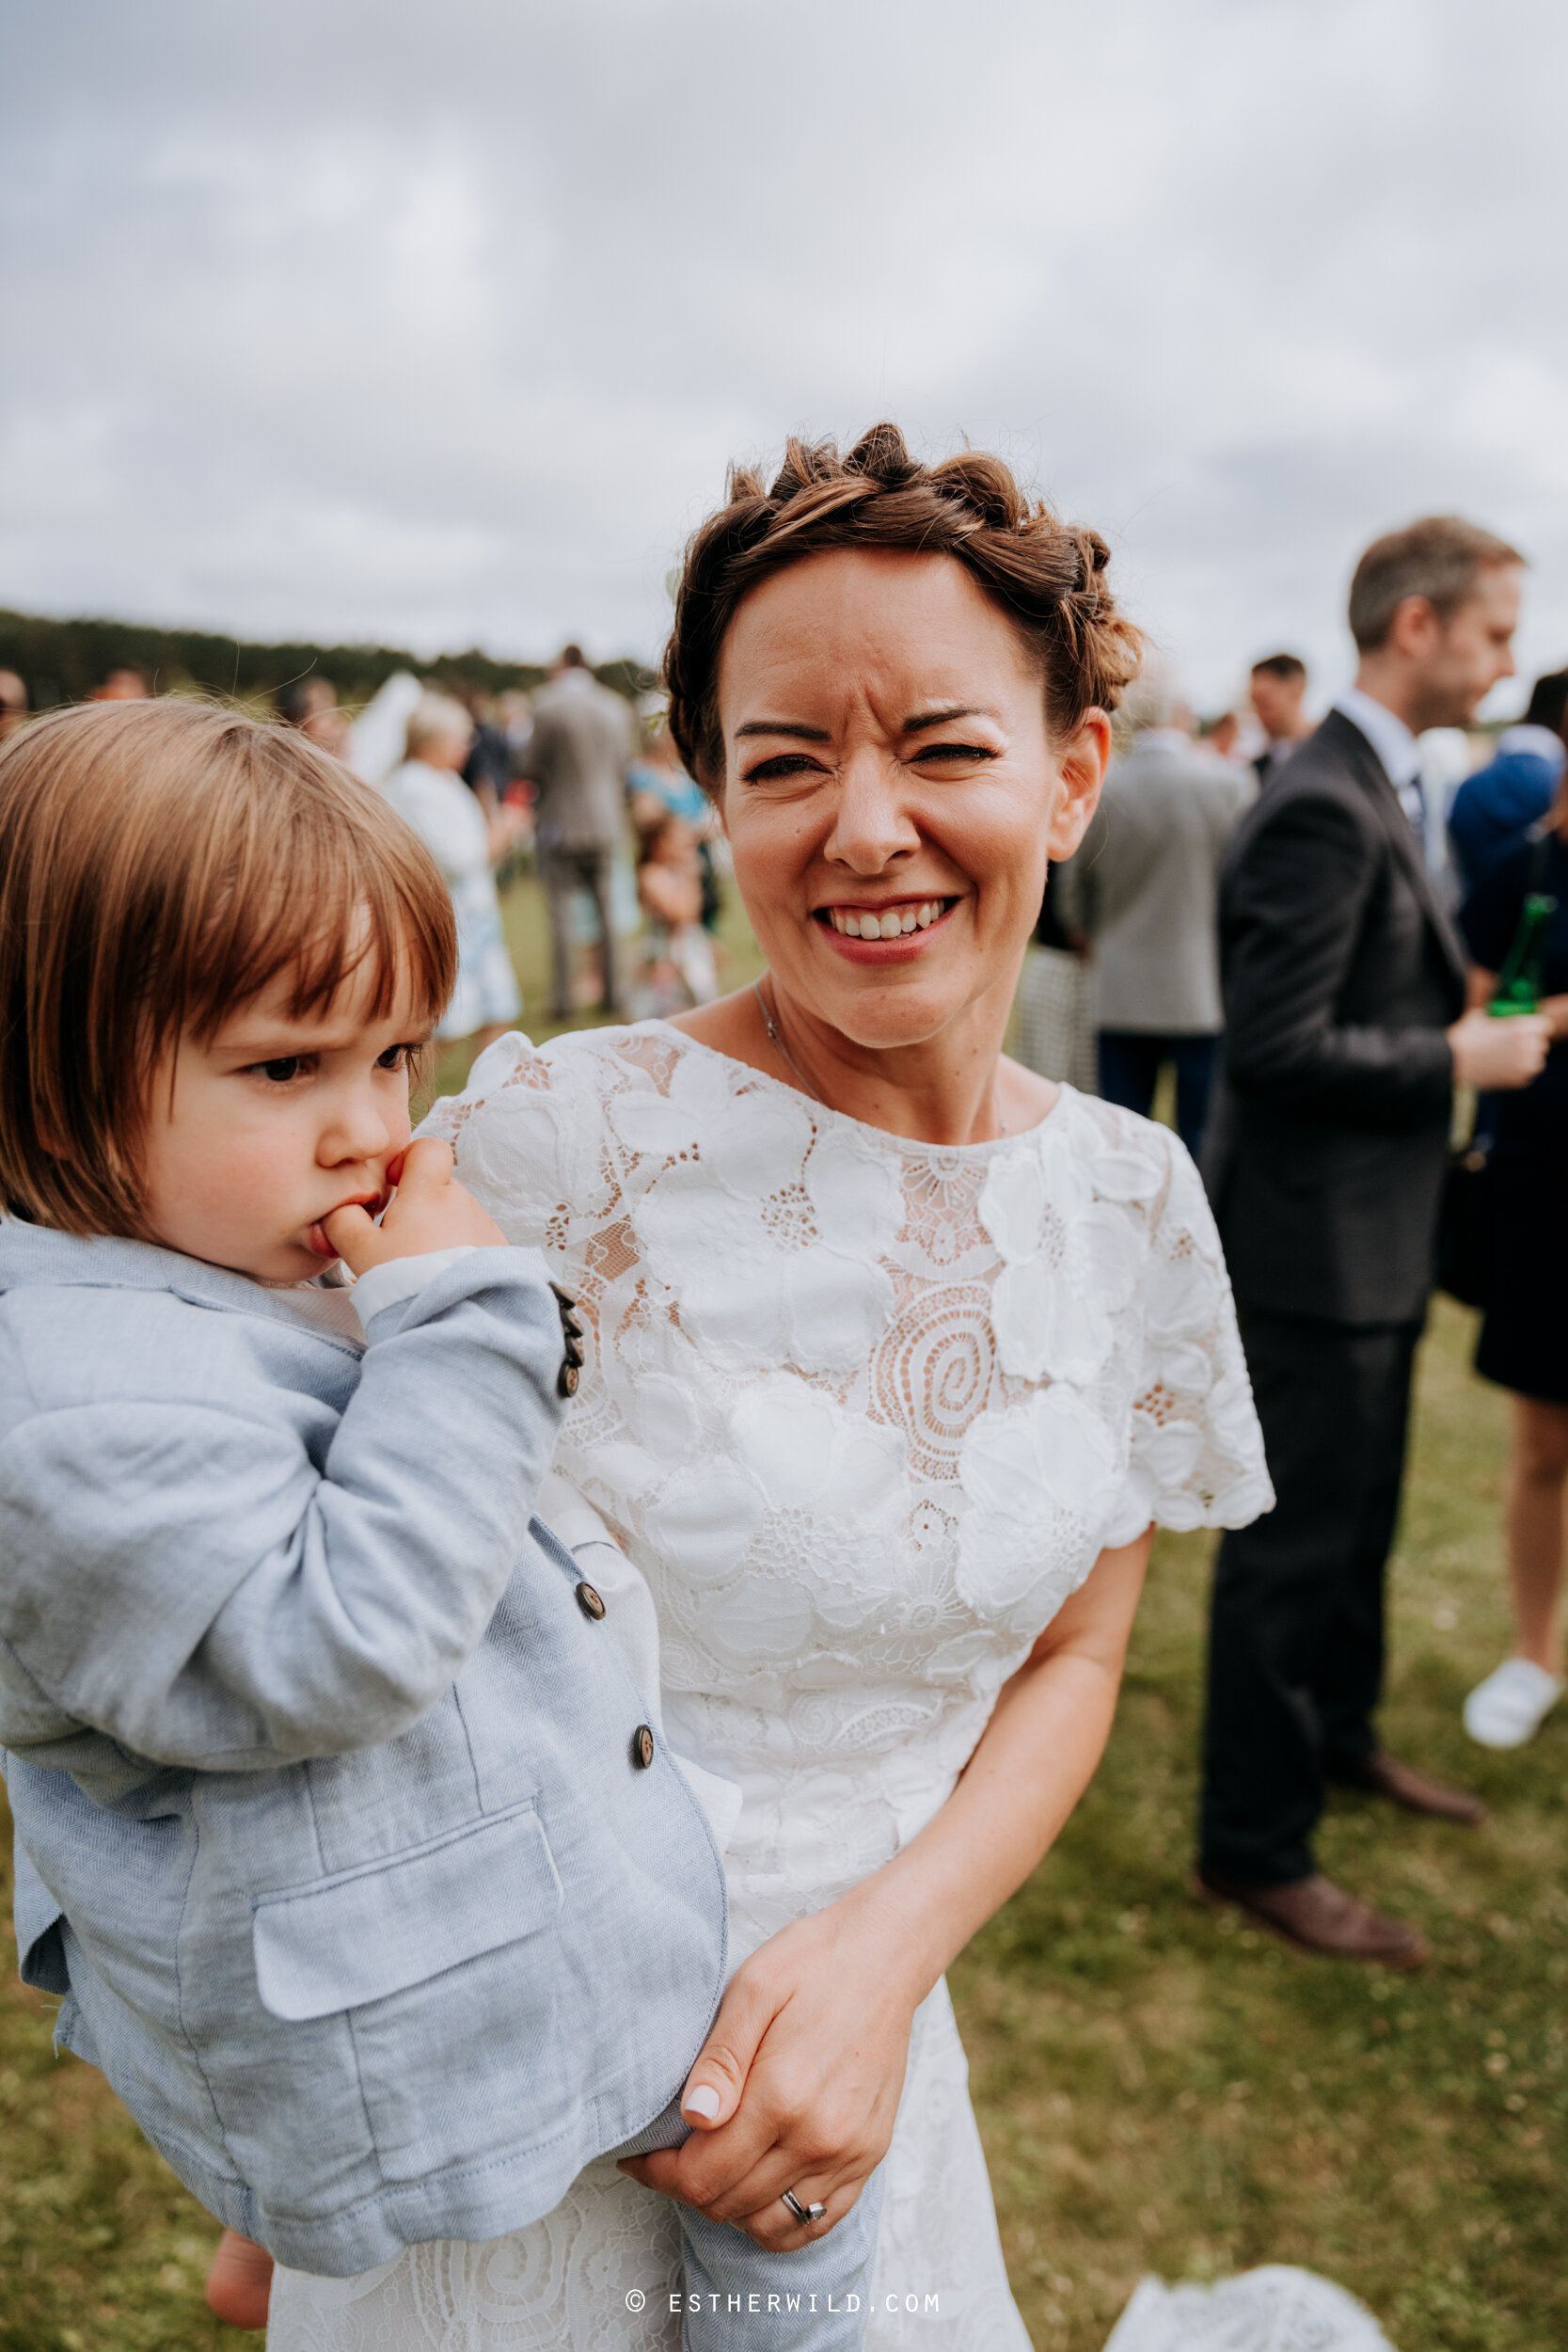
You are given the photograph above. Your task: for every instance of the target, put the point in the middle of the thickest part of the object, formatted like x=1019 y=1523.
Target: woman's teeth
x=893 y=925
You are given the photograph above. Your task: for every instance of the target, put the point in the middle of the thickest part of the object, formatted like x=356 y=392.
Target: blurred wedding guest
x=1523 y=1343
x=1142 y=890
x=13 y=703
x=1053 y=1011
x=1346 y=1030
x=678 y=969
x=584 y=739
x=1278 y=691
x=487 y=770
x=657 y=781
x=1495 y=808
x=310 y=704
x=122 y=686
x=429 y=791
x=515 y=717
x=1223 y=737
x=1447 y=760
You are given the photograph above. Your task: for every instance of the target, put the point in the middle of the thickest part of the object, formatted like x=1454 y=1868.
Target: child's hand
x=430 y=1211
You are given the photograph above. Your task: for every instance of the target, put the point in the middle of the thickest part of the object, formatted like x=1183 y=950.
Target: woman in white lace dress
x=897 y=1351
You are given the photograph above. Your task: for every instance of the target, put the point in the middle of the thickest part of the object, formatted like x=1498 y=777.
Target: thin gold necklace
x=798 y=1073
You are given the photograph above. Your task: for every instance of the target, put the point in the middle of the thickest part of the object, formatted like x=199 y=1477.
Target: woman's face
x=892 y=795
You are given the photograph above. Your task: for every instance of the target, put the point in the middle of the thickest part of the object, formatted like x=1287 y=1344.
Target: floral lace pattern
x=865 y=1412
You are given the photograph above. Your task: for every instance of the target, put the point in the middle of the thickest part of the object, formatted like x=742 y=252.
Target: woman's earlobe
x=1082 y=767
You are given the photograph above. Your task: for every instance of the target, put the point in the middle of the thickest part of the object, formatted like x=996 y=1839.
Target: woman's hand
x=507 y=829
x=815 y=2031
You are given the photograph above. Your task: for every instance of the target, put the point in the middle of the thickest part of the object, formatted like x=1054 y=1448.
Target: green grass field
x=1158 y=2089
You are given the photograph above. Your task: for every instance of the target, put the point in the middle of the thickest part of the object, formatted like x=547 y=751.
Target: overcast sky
x=436 y=324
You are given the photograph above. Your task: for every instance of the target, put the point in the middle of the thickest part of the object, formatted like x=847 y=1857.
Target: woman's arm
x=801 y=2075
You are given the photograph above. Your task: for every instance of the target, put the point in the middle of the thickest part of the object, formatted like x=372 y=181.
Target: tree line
x=61 y=661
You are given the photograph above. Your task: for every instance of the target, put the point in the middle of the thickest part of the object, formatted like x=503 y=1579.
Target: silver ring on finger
x=804 y=2215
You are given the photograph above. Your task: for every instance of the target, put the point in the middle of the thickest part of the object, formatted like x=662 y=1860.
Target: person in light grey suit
x=584 y=739
x=1142 y=889
x=344 y=1843
x=335 y=1829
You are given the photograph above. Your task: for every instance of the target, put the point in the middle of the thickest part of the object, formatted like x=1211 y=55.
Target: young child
x=678 y=968
x=342 y=1829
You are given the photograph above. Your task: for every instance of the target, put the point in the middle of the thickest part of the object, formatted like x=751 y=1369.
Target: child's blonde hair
x=161 y=862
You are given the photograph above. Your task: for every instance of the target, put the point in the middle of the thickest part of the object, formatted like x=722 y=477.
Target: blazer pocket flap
x=365 y=1934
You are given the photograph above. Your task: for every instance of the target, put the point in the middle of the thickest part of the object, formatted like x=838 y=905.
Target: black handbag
x=1462 y=1222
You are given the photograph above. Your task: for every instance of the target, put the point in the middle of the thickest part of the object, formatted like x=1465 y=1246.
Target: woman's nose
x=871 y=823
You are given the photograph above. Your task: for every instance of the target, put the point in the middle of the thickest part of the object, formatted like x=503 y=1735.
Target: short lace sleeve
x=528 y=1132
x=1196 y=1450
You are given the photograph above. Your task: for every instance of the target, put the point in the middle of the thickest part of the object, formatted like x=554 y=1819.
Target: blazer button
x=590 y=1602
x=643 y=1747
x=566 y=1380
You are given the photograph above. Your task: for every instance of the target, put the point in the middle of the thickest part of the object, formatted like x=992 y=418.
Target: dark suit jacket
x=1340 y=972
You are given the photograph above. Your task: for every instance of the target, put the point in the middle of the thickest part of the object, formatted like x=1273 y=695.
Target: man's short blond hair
x=1441 y=558
x=161 y=864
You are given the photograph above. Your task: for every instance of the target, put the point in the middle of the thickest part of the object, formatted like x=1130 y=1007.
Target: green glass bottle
x=1519 y=982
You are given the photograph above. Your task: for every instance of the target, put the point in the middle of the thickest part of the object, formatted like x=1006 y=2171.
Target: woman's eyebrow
x=939 y=718
x=785 y=726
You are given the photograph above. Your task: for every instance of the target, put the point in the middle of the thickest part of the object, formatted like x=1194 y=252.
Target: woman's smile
x=888 y=930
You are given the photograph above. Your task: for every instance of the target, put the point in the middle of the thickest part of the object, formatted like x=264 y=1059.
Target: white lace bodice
x=864 y=1410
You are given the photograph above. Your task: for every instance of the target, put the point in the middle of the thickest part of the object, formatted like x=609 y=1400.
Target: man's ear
x=1081 y=767
x=1414 y=628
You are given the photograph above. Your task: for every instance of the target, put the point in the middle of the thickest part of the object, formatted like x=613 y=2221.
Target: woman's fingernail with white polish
x=704 y=2101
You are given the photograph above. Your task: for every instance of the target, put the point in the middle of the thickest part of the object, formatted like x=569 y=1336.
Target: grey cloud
x=441 y=325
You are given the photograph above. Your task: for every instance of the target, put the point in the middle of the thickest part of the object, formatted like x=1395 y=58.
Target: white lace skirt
x=572 y=2283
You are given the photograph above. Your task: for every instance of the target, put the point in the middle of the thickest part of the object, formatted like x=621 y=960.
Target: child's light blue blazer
x=335 y=1828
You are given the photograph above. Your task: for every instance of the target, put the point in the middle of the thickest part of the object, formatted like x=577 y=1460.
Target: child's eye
x=395 y=1058
x=284 y=1070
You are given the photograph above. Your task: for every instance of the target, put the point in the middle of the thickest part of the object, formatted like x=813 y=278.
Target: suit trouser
x=1130 y=1065
x=1296 y=1635
x=563 y=872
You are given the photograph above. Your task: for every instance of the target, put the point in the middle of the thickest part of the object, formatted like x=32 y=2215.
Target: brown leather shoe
x=1318 y=1916
x=1383 y=1775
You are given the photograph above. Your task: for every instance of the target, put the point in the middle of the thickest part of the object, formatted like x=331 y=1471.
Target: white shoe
x=1512 y=1702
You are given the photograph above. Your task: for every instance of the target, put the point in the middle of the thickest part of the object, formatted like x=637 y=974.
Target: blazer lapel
x=1374 y=777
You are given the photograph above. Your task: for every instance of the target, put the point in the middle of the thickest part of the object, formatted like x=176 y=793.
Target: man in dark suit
x=1278 y=691
x=1344 y=993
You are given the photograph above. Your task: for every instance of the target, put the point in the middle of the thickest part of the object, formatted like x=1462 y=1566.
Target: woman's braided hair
x=1047 y=577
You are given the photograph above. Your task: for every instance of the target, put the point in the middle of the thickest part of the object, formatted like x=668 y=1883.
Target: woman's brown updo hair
x=1048 y=577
